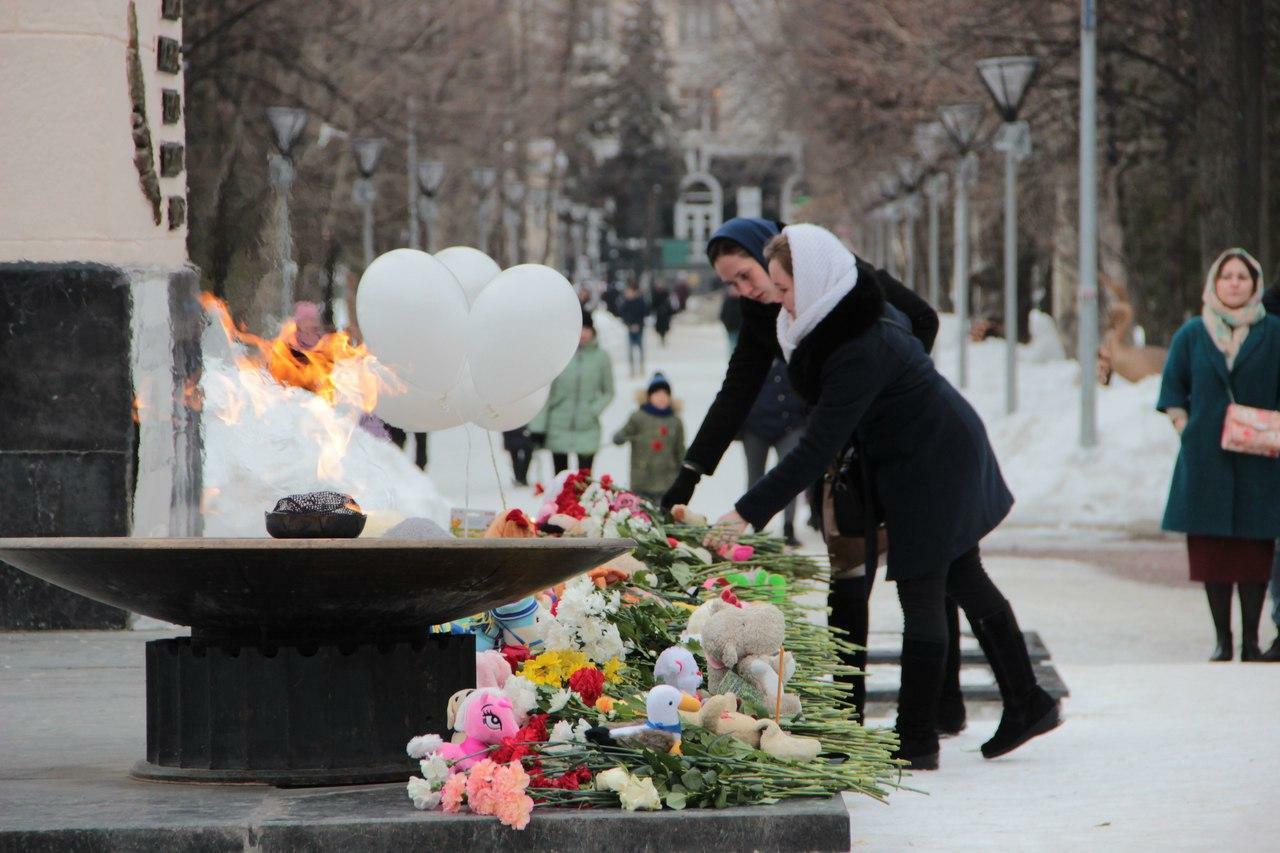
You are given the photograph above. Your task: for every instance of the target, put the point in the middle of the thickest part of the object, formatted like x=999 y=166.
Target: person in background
x=776 y=422
x=731 y=314
x=656 y=436
x=519 y=443
x=569 y=423
x=1271 y=302
x=633 y=312
x=664 y=308
x=1225 y=502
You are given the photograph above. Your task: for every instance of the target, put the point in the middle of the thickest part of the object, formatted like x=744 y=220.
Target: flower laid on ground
x=559 y=699
x=553 y=668
x=422 y=794
x=581 y=623
x=587 y=682
x=613 y=670
x=454 y=792
x=604 y=705
x=634 y=793
x=490 y=788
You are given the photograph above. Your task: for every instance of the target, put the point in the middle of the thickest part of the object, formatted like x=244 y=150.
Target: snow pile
x=263 y=441
x=1121 y=484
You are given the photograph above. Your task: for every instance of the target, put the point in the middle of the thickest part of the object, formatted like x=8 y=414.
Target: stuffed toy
x=677 y=667
x=720 y=716
x=511 y=525
x=492 y=669
x=660 y=730
x=486 y=716
x=745 y=640
x=780 y=744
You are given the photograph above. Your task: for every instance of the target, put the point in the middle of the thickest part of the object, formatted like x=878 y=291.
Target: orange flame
x=319 y=369
x=337 y=371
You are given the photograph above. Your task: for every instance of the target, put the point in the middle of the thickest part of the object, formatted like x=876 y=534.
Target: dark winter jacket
x=657 y=446
x=664 y=308
x=1214 y=492
x=633 y=312
x=758 y=347
x=731 y=312
x=778 y=410
x=934 y=470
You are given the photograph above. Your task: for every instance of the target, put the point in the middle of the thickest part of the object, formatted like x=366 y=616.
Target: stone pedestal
x=100 y=433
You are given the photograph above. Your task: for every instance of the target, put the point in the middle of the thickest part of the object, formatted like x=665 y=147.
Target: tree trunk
x=1232 y=193
x=1065 y=277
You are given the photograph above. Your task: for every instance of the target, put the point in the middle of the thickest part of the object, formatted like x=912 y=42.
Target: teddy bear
x=744 y=640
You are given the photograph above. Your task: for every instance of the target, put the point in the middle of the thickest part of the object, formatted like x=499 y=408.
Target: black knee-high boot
x=951 y=714
x=1251 y=597
x=848 y=602
x=1219 y=595
x=923 y=662
x=1028 y=710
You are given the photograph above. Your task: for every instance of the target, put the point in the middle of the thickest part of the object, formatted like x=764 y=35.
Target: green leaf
x=682 y=573
x=676 y=800
x=692 y=779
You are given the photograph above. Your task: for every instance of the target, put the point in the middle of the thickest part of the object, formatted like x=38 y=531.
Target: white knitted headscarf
x=824 y=272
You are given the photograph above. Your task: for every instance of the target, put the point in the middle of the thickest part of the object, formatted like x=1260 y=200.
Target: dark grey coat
x=935 y=471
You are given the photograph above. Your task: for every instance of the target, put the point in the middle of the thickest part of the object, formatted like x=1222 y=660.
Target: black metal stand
x=329 y=712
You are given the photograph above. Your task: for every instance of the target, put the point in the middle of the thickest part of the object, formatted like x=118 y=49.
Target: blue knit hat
x=658 y=383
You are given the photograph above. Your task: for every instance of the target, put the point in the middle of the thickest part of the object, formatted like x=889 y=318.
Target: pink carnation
x=510 y=779
x=514 y=809
x=741 y=553
x=480 y=787
x=624 y=500
x=452 y=792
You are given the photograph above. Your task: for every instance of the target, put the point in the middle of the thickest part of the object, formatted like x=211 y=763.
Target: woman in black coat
x=736 y=251
x=853 y=357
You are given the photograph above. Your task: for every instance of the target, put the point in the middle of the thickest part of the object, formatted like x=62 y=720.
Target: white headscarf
x=824 y=272
x=1228 y=327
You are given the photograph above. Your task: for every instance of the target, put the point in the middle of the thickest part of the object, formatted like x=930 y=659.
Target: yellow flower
x=612 y=670
x=570 y=662
x=544 y=669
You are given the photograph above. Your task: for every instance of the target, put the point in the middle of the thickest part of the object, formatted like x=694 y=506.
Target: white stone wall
x=69 y=190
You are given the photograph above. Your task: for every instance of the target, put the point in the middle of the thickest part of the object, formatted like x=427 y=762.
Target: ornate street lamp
x=430 y=175
x=367 y=152
x=931 y=143
x=287 y=124
x=484 y=178
x=909 y=173
x=1007 y=79
x=961 y=121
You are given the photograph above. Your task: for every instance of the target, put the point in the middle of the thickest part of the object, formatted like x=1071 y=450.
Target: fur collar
x=852 y=317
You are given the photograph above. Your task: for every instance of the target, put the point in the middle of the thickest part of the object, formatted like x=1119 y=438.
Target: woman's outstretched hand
x=726 y=532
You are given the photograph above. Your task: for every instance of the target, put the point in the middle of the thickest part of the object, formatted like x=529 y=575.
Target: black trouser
x=924 y=600
x=560 y=461
x=520 y=459
x=399 y=436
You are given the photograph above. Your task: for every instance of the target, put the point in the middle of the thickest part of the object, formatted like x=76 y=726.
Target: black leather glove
x=681 y=491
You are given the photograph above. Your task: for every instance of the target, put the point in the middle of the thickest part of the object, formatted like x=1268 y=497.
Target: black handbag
x=853 y=497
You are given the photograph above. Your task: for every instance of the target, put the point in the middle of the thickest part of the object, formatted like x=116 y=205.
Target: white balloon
x=413 y=314
x=471 y=267
x=523 y=329
x=511 y=415
x=410 y=408
x=462 y=398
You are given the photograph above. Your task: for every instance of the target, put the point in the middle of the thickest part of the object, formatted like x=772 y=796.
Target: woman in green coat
x=1227 y=503
x=570 y=421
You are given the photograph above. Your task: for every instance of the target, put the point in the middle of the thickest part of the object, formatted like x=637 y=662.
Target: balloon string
x=496 y=475
x=466 y=482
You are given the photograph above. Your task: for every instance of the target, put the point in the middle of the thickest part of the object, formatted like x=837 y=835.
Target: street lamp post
x=513 y=192
x=961 y=124
x=910 y=172
x=430 y=175
x=1007 y=79
x=484 y=178
x=287 y=124
x=1087 y=291
x=929 y=139
x=368 y=151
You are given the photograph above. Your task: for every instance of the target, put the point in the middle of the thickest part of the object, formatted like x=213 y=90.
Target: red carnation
x=673 y=542
x=657 y=445
x=606 y=481
x=515 y=654
x=662 y=431
x=587 y=682
x=518 y=517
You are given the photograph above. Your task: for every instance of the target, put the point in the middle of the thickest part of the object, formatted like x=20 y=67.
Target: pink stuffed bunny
x=487 y=717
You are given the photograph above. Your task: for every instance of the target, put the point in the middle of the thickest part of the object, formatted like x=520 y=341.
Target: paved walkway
x=1160 y=749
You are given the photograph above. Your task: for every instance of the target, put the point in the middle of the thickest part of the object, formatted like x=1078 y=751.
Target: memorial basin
x=309 y=660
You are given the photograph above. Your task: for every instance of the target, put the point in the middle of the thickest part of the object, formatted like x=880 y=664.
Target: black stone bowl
x=315 y=525
x=284 y=589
